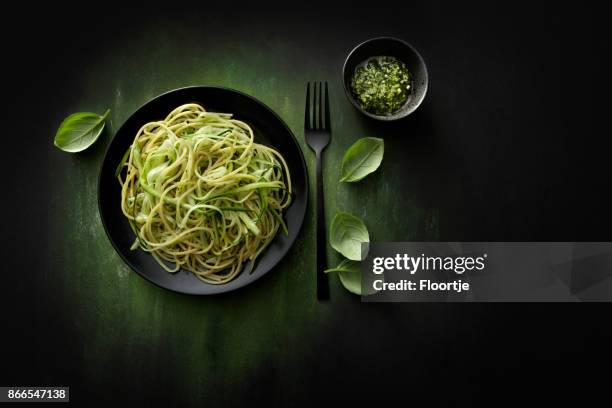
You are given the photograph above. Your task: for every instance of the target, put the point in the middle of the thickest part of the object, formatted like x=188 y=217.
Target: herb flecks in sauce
x=381 y=85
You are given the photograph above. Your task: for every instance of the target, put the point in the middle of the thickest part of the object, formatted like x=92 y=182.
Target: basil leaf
x=349 y=273
x=79 y=131
x=361 y=159
x=346 y=234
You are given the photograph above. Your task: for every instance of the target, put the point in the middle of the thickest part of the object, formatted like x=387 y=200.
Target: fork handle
x=322 y=280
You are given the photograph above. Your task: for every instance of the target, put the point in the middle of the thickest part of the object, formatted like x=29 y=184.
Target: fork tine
x=307 y=114
x=327 y=117
x=314 y=104
x=320 y=123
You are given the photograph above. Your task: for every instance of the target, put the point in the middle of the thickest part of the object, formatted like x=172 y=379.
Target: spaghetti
x=201 y=195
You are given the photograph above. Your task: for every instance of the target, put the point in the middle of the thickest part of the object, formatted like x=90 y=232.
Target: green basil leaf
x=361 y=159
x=79 y=131
x=345 y=266
x=346 y=234
x=349 y=273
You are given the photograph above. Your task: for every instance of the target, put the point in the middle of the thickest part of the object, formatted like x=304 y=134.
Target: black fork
x=317 y=131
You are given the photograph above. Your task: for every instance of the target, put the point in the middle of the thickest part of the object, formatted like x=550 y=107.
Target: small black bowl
x=388 y=47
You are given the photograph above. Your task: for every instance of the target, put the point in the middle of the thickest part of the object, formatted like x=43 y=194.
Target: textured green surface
x=210 y=344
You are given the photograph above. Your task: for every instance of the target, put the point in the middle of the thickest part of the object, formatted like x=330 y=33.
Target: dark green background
x=502 y=149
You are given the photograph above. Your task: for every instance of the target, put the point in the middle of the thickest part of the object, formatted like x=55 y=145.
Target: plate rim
x=302 y=164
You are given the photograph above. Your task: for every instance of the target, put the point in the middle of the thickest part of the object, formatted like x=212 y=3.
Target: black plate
x=269 y=130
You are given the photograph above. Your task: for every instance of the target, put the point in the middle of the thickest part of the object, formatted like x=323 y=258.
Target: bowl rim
x=350 y=96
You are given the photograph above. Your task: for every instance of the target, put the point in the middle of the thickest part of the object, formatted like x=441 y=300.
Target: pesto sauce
x=381 y=85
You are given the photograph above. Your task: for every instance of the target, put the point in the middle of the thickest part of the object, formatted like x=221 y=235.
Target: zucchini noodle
x=201 y=195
